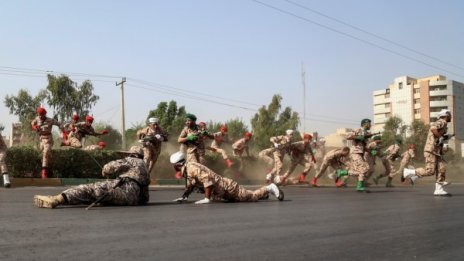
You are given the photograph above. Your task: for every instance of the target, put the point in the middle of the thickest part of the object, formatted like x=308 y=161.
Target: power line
x=357 y=38
x=374 y=35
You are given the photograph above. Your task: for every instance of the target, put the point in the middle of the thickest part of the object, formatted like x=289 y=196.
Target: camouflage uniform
x=319 y=153
x=92 y=147
x=44 y=129
x=373 y=150
x=278 y=153
x=392 y=153
x=219 y=138
x=151 y=148
x=191 y=148
x=301 y=154
x=434 y=163
x=357 y=164
x=223 y=188
x=334 y=159
x=81 y=130
x=239 y=146
x=406 y=158
x=133 y=189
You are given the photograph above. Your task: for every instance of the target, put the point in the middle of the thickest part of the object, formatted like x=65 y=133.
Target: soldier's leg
x=4 y=170
x=147 y=156
x=265 y=155
x=74 y=142
x=46 y=146
x=430 y=166
x=245 y=195
x=321 y=171
x=278 y=158
x=291 y=168
x=358 y=167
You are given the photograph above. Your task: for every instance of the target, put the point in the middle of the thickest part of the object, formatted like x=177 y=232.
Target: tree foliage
x=66 y=97
x=24 y=105
x=394 y=128
x=418 y=135
x=171 y=117
x=268 y=122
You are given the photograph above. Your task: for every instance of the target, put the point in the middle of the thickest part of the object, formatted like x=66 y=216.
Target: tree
x=394 y=128
x=419 y=131
x=171 y=118
x=267 y=122
x=66 y=97
x=25 y=107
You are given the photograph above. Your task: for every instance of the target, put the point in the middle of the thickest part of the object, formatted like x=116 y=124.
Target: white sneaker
x=274 y=190
x=411 y=174
x=439 y=191
x=6 y=181
x=277 y=180
x=444 y=183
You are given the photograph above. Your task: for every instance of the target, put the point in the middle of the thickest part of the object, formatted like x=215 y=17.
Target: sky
x=223 y=59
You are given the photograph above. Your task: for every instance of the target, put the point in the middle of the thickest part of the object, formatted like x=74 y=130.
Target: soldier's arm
x=115 y=167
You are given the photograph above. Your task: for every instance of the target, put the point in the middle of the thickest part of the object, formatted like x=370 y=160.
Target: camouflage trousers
x=196 y=155
x=326 y=164
x=74 y=142
x=434 y=165
x=389 y=166
x=150 y=155
x=305 y=162
x=46 y=144
x=371 y=162
x=358 y=166
x=3 y=168
x=237 y=193
x=128 y=193
x=221 y=151
x=275 y=162
x=266 y=156
x=403 y=164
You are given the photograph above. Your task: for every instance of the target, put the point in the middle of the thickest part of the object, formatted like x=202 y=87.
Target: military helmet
x=177 y=157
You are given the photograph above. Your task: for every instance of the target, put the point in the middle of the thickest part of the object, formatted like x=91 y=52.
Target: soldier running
x=219 y=138
x=241 y=145
x=80 y=130
x=433 y=154
x=3 y=169
x=215 y=186
x=372 y=151
x=43 y=126
x=337 y=159
x=280 y=145
x=390 y=155
x=129 y=189
x=151 y=138
x=406 y=159
x=301 y=153
x=357 y=164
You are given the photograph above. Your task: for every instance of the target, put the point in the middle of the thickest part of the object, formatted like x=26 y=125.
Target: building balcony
x=440 y=93
x=440 y=103
x=381 y=110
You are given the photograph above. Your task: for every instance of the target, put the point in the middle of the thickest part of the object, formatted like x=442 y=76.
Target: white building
x=410 y=99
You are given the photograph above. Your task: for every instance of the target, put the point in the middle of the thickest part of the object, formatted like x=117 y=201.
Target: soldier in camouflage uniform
x=406 y=159
x=129 y=189
x=219 y=138
x=390 y=155
x=241 y=145
x=337 y=159
x=280 y=145
x=151 y=138
x=80 y=130
x=215 y=186
x=372 y=151
x=357 y=164
x=43 y=126
x=190 y=139
x=68 y=128
x=301 y=153
x=433 y=153
x=100 y=146
x=3 y=169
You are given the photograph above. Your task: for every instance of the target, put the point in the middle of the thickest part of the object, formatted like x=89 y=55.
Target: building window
x=417 y=90
x=417 y=111
x=439 y=98
x=387 y=95
x=400 y=85
x=387 y=105
x=416 y=101
x=387 y=115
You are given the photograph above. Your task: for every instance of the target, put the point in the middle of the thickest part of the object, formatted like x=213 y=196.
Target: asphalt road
x=402 y=223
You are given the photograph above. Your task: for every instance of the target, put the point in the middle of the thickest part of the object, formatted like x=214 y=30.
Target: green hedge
x=26 y=161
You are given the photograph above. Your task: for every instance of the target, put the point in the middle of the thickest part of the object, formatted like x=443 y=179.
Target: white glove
x=203 y=201
x=276 y=145
x=180 y=200
x=159 y=137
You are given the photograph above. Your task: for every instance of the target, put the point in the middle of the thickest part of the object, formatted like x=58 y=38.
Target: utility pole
x=303 y=79
x=123 y=124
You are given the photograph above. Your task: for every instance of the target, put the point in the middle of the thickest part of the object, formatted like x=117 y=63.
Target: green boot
x=360 y=187
x=341 y=173
x=389 y=183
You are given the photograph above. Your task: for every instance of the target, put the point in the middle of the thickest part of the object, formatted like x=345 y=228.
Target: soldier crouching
x=130 y=188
